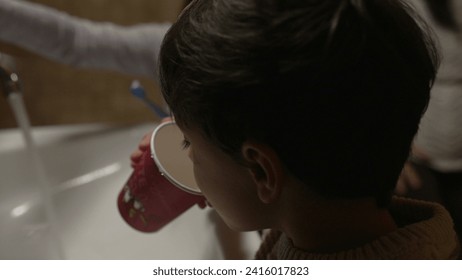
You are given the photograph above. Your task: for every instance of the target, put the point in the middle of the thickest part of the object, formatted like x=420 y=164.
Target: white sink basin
x=85 y=167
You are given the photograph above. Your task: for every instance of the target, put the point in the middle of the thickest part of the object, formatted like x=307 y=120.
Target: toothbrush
x=137 y=90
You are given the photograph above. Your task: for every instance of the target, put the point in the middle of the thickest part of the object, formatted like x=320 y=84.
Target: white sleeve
x=79 y=42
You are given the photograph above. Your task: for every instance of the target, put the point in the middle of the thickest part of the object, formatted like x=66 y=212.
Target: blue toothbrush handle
x=156 y=108
x=138 y=91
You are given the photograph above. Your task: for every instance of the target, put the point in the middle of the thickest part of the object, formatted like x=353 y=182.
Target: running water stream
x=49 y=226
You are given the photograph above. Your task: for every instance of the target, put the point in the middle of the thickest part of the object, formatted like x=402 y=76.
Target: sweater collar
x=425 y=232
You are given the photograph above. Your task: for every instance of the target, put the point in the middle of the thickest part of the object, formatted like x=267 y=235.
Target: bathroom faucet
x=9 y=80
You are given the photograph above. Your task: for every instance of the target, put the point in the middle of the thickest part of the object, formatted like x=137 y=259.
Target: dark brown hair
x=336 y=88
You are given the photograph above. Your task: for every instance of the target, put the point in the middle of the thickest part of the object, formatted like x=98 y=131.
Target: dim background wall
x=59 y=94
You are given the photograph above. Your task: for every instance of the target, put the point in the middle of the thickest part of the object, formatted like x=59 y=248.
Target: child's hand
x=410 y=179
x=136 y=156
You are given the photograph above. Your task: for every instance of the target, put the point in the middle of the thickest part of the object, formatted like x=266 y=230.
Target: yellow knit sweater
x=425 y=232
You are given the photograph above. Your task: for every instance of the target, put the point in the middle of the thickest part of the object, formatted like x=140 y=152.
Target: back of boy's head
x=336 y=88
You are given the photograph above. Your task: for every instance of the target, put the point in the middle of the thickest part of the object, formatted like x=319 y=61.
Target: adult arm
x=79 y=42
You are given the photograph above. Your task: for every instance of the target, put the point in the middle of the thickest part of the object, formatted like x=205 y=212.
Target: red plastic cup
x=162 y=185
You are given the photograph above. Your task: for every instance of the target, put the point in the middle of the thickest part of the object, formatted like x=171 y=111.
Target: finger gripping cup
x=149 y=201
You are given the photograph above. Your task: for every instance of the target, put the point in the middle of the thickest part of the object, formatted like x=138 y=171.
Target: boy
x=298 y=117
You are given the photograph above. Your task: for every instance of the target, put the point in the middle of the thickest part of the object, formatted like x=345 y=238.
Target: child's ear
x=266 y=169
